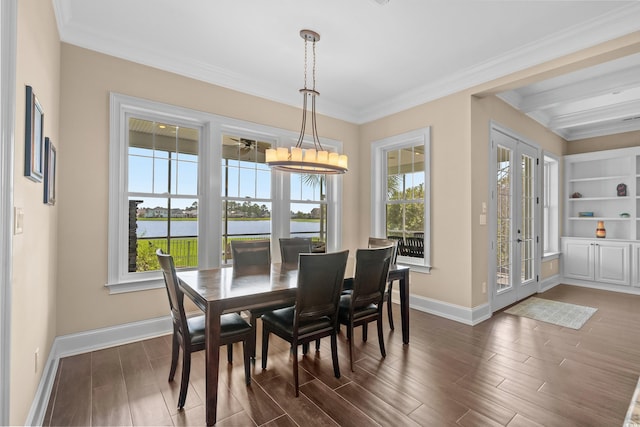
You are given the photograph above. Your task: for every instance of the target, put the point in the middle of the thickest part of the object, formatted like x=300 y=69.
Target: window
x=550 y=204
x=246 y=191
x=188 y=182
x=401 y=194
x=162 y=184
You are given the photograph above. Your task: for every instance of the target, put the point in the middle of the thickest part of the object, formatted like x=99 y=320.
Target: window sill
x=548 y=256
x=134 y=286
x=425 y=269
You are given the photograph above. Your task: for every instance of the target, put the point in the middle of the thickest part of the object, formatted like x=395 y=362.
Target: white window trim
x=554 y=206
x=379 y=185
x=209 y=170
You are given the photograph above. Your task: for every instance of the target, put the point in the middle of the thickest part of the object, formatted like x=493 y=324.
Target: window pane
x=168 y=222
x=405 y=194
x=140 y=180
x=246 y=191
x=310 y=220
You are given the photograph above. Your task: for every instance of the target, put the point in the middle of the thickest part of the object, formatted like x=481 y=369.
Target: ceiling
x=374 y=57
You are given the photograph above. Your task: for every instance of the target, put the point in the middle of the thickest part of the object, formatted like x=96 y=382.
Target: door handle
x=519 y=240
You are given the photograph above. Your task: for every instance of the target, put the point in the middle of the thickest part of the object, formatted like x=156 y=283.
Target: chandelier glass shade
x=314 y=160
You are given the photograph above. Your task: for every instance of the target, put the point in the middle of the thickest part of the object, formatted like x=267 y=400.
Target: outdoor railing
x=184 y=249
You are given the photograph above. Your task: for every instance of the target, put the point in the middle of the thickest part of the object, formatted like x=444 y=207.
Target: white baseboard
x=550 y=282
x=602 y=286
x=466 y=315
x=83 y=342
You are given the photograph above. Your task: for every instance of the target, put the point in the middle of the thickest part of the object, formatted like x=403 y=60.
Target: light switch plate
x=18 y=220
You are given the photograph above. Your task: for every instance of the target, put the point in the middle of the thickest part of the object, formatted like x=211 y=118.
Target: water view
x=153 y=229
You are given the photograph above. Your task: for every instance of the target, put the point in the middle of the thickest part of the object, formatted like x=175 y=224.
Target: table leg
x=212 y=357
x=404 y=306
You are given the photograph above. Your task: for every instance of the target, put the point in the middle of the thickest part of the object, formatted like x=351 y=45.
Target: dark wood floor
x=506 y=371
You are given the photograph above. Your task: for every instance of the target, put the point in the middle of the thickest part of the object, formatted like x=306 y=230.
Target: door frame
x=8 y=42
x=492 y=211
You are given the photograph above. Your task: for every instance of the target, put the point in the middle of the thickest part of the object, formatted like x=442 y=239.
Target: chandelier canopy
x=314 y=160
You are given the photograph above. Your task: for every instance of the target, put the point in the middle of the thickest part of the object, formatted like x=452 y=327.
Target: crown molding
x=619 y=22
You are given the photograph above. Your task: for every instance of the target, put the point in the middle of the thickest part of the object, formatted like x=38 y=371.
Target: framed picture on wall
x=50 y=158
x=34 y=138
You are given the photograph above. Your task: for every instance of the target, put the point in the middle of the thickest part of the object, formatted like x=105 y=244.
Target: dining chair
x=376 y=242
x=189 y=332
x=249 y=257
x=315 y=313
x=290 y=248
x=364 y=304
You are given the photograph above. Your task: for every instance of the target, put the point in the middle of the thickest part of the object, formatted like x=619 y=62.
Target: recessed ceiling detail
x=595 y=101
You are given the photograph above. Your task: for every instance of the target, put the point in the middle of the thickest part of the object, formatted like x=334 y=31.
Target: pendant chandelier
x=314 y=160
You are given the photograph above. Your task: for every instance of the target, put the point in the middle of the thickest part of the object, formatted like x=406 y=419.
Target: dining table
x=222 y=290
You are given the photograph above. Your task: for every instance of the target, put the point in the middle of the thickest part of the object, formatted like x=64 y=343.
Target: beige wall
x=87 y=79
x=450 y=192
x=549 y=268
x=33 y=316
x=609 y=142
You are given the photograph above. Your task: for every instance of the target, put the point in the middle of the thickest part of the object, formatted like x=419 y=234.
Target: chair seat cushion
x=230 y=324
x=281 y=321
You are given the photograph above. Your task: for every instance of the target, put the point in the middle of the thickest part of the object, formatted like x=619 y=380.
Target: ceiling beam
x=602 y=85
x=596 y=115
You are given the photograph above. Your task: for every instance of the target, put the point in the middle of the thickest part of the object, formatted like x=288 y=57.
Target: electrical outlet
x=35 y=357
x=484 y=287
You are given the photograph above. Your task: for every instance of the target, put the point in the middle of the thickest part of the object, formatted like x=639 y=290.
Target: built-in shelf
x=596 y=177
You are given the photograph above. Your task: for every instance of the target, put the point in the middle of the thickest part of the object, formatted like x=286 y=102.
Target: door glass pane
x=527 y=231
x=503 y=231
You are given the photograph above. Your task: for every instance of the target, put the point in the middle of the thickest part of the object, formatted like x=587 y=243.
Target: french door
x=515 y=205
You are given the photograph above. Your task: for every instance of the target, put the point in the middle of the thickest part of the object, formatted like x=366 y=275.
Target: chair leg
x=246 y=351
x=295 y=369
x=365 y=330
x=334 y=355
x=230 y=353
x=175 y=350
x=350 y=332
x=252 y=339
x=380 y=335
x=184 y=383
x=265 y=346
x=318 y=344
x=305 y=348
x=389 y=310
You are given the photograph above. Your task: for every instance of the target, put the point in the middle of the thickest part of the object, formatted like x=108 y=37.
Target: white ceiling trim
x=621 y=21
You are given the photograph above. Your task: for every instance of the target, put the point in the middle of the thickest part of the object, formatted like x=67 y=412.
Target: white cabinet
x=635 y=262
x=597 y=260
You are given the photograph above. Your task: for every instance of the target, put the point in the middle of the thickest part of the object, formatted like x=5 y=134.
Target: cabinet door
x=578 y=259
x=612 y=263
